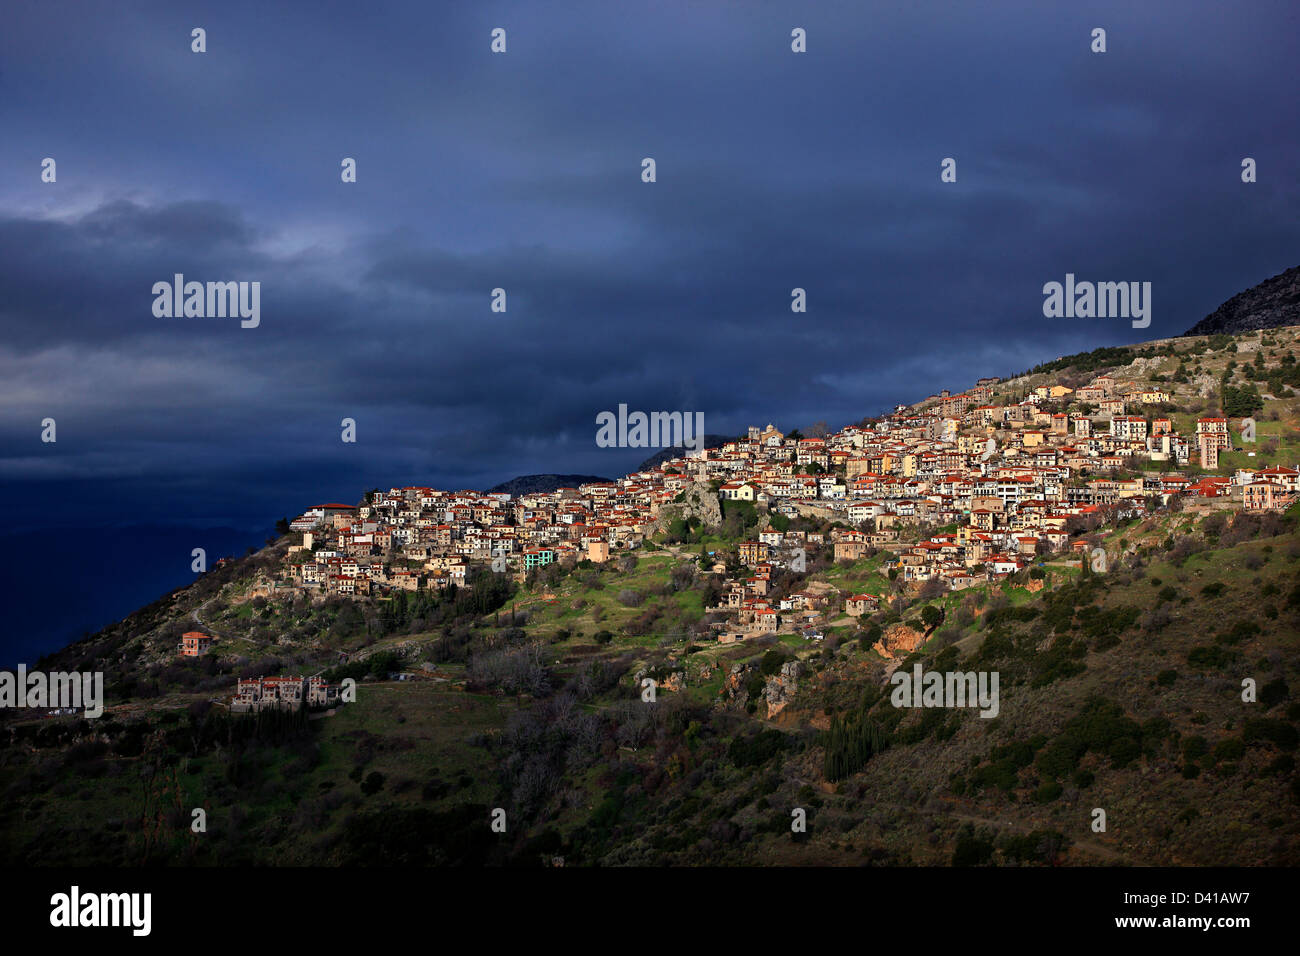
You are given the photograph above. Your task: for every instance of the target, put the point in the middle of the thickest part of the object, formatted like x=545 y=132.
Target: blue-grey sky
x=522 y=170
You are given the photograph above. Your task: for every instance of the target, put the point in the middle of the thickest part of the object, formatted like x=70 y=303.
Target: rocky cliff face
x=1273 y=303
x=673 y=680
x=700 y=502
x=899 y=640
x=733 y=688
x=781 y=688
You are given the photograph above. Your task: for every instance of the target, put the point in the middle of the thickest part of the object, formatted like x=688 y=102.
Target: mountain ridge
x=1271 y=304
x=540 y=484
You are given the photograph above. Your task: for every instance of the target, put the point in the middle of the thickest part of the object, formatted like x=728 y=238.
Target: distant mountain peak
x=668 y=454
x=540 y=484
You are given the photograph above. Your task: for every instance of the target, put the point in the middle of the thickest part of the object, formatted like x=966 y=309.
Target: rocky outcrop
x=781 y=688
x=899 y=640
x=699 y=501
x=674 y=679
x=733 y=687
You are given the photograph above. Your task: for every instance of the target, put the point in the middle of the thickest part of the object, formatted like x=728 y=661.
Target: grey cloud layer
x=522 y=171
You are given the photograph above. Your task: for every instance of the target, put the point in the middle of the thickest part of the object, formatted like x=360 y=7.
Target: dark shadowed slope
x=1273 y=303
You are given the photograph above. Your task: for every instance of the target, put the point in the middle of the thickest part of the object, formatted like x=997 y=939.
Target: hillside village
x=393 y=669
x=1012 y=471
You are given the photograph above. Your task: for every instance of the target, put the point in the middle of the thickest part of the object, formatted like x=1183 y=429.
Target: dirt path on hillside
x=199 y=621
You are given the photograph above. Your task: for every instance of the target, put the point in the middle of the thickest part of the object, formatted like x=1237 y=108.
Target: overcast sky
x=522 y=170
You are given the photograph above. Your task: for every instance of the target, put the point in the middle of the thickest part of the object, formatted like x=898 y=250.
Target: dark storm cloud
x=522 y=172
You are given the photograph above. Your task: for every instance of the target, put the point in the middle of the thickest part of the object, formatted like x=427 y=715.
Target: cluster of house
x=284 y=693
x=749 y=608
x=265 y=693
x=1010 y=476
x=419 y=537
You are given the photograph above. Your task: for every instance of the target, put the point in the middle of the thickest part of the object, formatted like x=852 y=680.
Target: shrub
x=1101 y=727
x=1273 y=693
x=772 y=662
x=1278 y=732
x=972 y=851
x=1233 y=748
x=756 y=750
x=1241 y=631
x=1280 y=766
x=1048 y=792
x=1005 y=763
x=1209 y=658
x=1123 y=751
